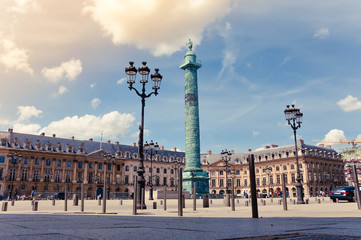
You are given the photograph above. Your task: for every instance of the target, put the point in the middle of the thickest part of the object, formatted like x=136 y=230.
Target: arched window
x=126 y=168
x=68 y=164
x=135 y=168
x=284 y=167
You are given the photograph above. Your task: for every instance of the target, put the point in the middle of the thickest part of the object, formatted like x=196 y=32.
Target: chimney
x=161 y=147
x=232 y=151
x=42 y=134
x=328 y=146
x=274 y=145
x=249 y=150
x=267 y=146
x=72 y=138
x=174 y=149
x=301 y=142
x=134 y=144
x=209 y=152
x=54 y=135
x=90 y=139
x=10 y=130
x=108 y=141
x=116 y=143
x=321 y=145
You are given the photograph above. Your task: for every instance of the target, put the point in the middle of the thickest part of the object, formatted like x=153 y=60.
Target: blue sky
x=62 y=69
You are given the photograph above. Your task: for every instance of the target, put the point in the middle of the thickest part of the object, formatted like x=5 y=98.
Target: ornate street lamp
x=226 y=157
x=108 y=159
x=151 y=148
x=294 y=118
x=131 y=72
x=268 y=171
x=176 y=165
x=13 y=159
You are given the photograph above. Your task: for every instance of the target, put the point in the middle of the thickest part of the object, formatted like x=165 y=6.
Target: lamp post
x=176 y=165
x=151 y=148
x=108 y=159
x=13 y=158
x=226 y=157
x=294 y=118
x=131 y=72
x=268 y=171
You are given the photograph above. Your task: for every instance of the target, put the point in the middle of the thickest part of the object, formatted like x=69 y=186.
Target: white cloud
x=88 y=126
x=92 y=85
x=121 y=81
x=229 y=59
x=321 y=33
x=23 y=6
x=26 y=128
x=27 y=112
x=61 y=90
x=333 y=136
x=95 y=102
x=173 y=21
x=349 y=104
x=228 y=26
x=13 y=57
x=255 y=133
x=70 y=70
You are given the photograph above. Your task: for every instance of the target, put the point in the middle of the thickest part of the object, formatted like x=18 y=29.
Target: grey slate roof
x=89 y=146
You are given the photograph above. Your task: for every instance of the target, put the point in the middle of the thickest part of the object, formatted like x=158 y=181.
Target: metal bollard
x=246 y=203
x=211 y=202
x=154 y=205
x=279 y=202
x=307 y=201
x=4 y=206
x=264 y=202
x=53 y=202
x=294 y=201
x=161 y=202
x=75 y=200
x=237 y=200
x=121 y=202
x=12 y=202
x=35 y=206
x=32 y=202
x=319 y=201
x=99 y=201
x=206 y=201
x=272 y=200
x=337 y=200
x=184 y=201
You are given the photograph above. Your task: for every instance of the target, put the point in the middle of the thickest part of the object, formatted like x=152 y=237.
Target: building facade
x=321 y=169
x=49 y=164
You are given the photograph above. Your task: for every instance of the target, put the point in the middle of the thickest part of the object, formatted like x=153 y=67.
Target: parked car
x=58 y=196
x=2 y=197
x=343 y=193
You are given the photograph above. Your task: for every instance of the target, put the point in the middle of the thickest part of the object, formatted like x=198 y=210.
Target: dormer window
x=16 y=144
x=81 y=149
x=39 y=146
x=49 y=147
x=70 y=149
x=60 y=148
x=4 y=142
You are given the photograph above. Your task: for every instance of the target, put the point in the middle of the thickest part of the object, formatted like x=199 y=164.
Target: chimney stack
x=134 y=144
x=274 y=145
x=209 y=152
x=267 y=146
x=10 y=130
x=42 y=134
x=174 y=149
x=161 y=147
x=72 y=138
x=116 y=143
x=249 y=150
x=90 y=139
x=108 y=141
x=54 y=135
x=301 y=142
x=321 y=145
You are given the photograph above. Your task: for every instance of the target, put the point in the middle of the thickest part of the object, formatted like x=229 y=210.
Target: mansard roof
x=212 y=158
x=89 y=146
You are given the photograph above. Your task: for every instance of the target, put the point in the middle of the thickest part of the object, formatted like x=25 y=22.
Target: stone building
x=321 y=169
x=48 y=164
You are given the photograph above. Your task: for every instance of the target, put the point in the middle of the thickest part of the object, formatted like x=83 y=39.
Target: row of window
x=135 y=168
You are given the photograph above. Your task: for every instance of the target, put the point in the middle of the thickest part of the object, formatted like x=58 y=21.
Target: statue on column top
x=190 y=44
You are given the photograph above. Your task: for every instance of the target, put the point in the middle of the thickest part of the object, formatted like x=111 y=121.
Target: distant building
x=352 y=157
x=321 y=169
x=48 y=164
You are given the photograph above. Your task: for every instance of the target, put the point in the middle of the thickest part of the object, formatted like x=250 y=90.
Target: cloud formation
x=161 y=26
x=27 y=112
x=88 y=126
x=121 y=81
x=14 y=58
x=69 y=70
x=61 y=90
x=95 y=102
x=321 y=33
x=349 y=104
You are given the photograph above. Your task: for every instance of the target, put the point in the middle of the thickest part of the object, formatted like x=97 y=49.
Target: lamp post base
x=299 y=193
x=151 y=193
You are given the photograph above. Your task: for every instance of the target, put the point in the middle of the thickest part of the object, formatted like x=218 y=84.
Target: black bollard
x=4 y=206
x=206 y=201
x=180 y=192
x=284 y=191
x=35 y=206
x=252 y=176
x=53 y=202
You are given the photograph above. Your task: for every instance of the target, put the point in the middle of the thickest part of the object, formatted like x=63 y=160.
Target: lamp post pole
x=131 y=72
x=226 y=157
x=150 y=147
x=268 y=170
x=294 y=118
x=13 y=160
x=176 y=166
x=108 y=159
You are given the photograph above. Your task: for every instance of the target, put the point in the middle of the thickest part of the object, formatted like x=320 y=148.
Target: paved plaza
x=324 y=220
